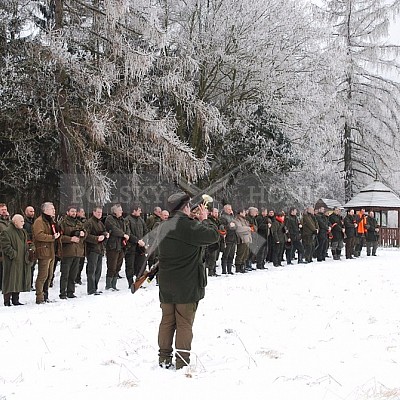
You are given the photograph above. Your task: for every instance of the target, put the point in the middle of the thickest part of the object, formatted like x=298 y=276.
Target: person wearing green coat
x=182 y=277
x=16 y=267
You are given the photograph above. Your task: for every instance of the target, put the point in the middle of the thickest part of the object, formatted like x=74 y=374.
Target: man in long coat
x=16 y=267
x=182 y=277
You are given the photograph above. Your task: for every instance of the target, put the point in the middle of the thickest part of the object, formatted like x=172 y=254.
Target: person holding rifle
x=182 y=277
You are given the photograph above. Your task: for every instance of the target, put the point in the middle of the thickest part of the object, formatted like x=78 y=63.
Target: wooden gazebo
x=329 y=204
x=379 y=198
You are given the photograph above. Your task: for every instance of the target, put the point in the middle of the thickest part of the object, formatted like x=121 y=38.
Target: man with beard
x=81 y=216
x=45 y=233
x=71 y=252
x=16 y=274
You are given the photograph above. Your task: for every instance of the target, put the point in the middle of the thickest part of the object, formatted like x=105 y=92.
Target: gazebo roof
x=375 y=195
x=330 y=203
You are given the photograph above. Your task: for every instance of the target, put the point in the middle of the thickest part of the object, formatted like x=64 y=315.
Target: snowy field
x=323 y=331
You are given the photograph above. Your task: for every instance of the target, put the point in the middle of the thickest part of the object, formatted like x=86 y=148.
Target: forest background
x=268 y=103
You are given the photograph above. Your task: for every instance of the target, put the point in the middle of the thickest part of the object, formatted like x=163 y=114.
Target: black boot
x=130 y=281
x=223 y=266
x=7 y=299
x=114 y=283
x=108 y=282
x=15 y=299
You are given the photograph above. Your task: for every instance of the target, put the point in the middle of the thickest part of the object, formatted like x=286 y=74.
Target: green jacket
x=16 y=266
x=182 y=276
x=71 y=227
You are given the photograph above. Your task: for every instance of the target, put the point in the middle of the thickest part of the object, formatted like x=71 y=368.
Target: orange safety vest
x=361 y=228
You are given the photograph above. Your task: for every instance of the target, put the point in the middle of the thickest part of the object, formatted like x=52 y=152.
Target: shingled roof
x=375 y=195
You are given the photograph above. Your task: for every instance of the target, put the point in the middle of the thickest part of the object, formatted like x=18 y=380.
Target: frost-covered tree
x=365 y=114
x=258 y=66
x=109 y=74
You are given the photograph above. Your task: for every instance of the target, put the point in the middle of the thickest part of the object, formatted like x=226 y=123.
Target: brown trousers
x=115 y=258
x=176 y=319
x=45 y=272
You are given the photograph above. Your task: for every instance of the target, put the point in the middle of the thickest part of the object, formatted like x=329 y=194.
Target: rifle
x=147 y=275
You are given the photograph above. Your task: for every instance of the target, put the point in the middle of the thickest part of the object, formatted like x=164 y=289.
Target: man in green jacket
x=16 y=274
x=182 y=277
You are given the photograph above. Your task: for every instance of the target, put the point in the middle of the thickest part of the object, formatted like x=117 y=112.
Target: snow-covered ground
x=314 y=331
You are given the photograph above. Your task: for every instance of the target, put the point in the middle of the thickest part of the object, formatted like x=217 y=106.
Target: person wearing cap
x=182 y=277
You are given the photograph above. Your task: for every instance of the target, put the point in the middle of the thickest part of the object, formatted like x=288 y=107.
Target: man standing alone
x=182 y=277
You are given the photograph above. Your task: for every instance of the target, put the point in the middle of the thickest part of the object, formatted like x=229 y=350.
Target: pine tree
x=367 y=112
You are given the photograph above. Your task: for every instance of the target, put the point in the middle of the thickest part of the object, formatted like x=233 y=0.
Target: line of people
x=26 y=242
x=247 y=237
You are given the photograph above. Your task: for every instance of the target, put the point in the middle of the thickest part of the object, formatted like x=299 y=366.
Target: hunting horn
x=205 y=199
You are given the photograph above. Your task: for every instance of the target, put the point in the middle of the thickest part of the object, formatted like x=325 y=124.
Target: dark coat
x=225 y=220
x=278 y=231
x=43 y=238
x=28 y=227
x=262 y=226
x=323 y=224
x=372 y=224
x=137 y=229
x=350 y=225
x=16 y=266
x=151 y=221
x=117 y=229
x=94 y=228
x=337 y=227
x=4 y=223
x=182 y=276
x=309 y=225
x=215 y=224
x=292 y=225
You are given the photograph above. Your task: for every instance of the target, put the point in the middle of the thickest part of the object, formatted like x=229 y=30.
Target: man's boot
x=15 y=299
x=130 y=281
x=114 y=283
x=223 y=266
x=7 y=299
x=108 y=283
x=230 y=269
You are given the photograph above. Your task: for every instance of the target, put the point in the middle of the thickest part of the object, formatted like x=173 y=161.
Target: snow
x=312 y=331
